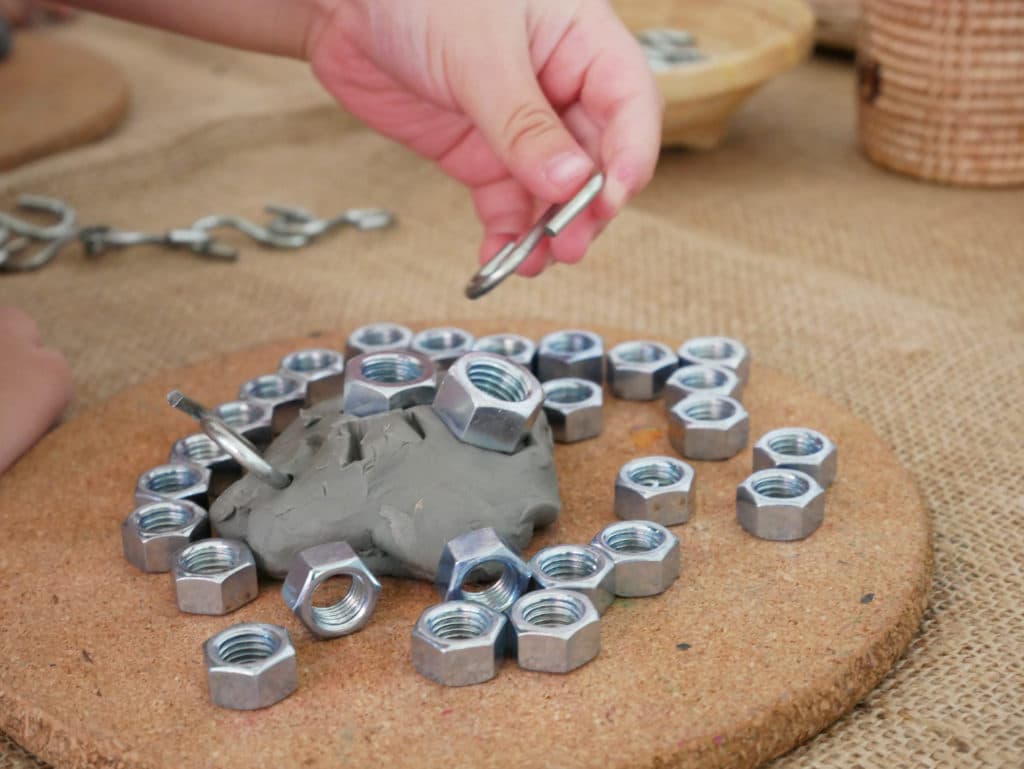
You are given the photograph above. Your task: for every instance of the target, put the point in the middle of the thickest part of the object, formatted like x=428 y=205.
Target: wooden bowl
x=747 y=42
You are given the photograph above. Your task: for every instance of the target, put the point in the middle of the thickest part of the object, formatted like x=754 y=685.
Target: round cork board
x=757 y=647
x=56 y=96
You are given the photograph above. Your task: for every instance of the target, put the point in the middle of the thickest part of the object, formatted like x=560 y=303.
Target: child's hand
x=521 y=100
x=35 y=385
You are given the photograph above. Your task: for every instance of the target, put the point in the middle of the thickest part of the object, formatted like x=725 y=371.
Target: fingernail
x=615 y=193
x=568 y=169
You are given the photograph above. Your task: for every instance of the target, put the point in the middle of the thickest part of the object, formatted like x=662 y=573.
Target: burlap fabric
x=899 y=300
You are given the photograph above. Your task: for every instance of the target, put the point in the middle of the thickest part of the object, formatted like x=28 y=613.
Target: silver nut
x=203 y=450
x=310 y=570
x=322 y=370
x=638 y=371
x=459 y=643
x=780 y=505
x=573 y=353
x=249 y=419
x=443 y=346
x=708 y=427
x=701 y=380
x=645 y=554
x=582 y=568
x=574 y=408
x=177 y=480
x=475 y=554
x=283 y=395
x=518 y=349
x=798 y=448
x=249 y=666
x=378 y=337
x=384 y=381
x=658 y=489
x=555 y=631
x=214 y=576
x=489 y=402
x=153 y=534
x=717 y=351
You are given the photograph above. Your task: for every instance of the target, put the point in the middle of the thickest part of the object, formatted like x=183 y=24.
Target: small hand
x=35 y=385
x=521 y=100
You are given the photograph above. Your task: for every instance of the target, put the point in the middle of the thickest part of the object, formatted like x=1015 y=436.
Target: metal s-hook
x=292 y=220
x=65 y=214
x=550 y=225
x=260 y=234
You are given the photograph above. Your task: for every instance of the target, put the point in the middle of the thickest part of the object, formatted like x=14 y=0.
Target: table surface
x=898 y=300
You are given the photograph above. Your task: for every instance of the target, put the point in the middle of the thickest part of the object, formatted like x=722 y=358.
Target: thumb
x=510 y=110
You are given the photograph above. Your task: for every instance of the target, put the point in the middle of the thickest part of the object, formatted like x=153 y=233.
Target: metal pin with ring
x=238 y=447
x=550 y=224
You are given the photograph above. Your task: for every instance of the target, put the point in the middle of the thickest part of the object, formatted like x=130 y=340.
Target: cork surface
x=56 y=95
x=756 y=648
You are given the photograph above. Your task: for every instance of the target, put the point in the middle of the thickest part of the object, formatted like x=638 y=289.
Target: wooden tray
x=758 y=646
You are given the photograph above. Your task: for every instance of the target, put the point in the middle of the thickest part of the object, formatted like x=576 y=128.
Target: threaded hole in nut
x=656 y=473
x=391 y=368
x=710 y=410
x=553 y=611
x=171 y=478
x=712 y=349
x=246 y=647
x=440 y=340
x=781 y=486
x=459 y=623
x=634 y=538
x=509 y=346
x=497 y=594
x=200 y=448
x=640 y=352
x=573 y=342
x=574 y=392
x=499 y=381
x=340 y=613
x=796 y=444
x=375 y=336
x=306 y=361
x=703 y=378
x=269 y=386
x=569 y=564
x=209 y=558
x=159 y=519
x=239 y=414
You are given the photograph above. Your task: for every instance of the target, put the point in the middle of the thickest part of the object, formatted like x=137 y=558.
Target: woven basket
x=942 y=89
x=838 y=22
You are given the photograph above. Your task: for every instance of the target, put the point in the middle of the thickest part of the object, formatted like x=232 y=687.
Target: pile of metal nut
x=667 y=48
x=546 y=612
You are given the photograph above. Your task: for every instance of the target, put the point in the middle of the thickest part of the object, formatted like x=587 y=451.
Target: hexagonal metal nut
x=314 y=566
x=322 y=370
x=638 y=371
x=798 y=448
x=701 y=380
x=153 y=534
x=582 y=568
x=489 y=402
x=378 y=337
x=574 y=408
x=443 y=346
x=658 y=489
x=709 y=427
x=518 y=349
x=250 y=666
x=571 y=353
x=176 y=480
x=377 y=382
x=555 y=631
x=203 y=450
x=214 y=576
x=780 y=505
x=459 y=643
x=717 y=351
x=249 y=419
x=645 y=554
x=283 y=395
x=482 y=551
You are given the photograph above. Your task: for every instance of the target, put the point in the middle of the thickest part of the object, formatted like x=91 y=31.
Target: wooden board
x=756 y=648
x=55 y=96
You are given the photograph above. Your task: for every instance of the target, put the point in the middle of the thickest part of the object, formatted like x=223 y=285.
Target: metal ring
x=242 y=451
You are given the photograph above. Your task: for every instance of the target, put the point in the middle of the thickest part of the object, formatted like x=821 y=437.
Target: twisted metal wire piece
x=53 y=237
x=260 y=234
x=99 y=239
x=238 y=447
x=550 y=224
x=293 y=220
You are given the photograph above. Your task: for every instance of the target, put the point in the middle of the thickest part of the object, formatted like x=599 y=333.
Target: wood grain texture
x=758 y=646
